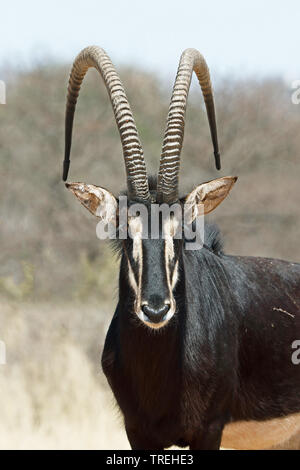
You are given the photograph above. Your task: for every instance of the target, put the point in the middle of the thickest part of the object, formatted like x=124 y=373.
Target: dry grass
x=53 y=394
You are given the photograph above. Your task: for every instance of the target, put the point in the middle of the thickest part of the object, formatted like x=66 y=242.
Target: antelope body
x=200 y=345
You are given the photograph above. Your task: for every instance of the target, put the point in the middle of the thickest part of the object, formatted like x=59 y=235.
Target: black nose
x=155 y=315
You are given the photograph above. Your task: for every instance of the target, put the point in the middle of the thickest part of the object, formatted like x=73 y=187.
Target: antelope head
x=153 y=263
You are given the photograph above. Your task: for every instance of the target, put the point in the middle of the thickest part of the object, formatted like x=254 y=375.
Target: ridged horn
x=191 y=60
x=94 y=56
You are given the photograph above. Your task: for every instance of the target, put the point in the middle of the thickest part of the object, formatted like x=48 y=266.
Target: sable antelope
x=199 y=348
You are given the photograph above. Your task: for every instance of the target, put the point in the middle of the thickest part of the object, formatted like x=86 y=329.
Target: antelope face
x=153 y=269
x=154 y=241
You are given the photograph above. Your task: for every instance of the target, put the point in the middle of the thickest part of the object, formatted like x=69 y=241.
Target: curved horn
x=94 y=56
x=191 y=60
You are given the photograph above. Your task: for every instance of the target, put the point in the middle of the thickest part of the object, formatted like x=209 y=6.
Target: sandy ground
x=52 y=394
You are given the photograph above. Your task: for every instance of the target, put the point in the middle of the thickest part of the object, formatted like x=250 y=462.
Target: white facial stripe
x=170 y=227
x=137 y=251
x=135 y=228
x=169 y=249
x=169 y=256
x=132 y=279
x=175 y=275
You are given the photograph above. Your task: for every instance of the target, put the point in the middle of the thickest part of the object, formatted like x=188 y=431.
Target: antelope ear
x=98 y=201
x=207 y=196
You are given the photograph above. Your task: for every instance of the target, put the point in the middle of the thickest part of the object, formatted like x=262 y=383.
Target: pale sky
x=247 y=37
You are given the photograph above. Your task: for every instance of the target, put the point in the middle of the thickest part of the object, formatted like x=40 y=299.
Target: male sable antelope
x=199 y=350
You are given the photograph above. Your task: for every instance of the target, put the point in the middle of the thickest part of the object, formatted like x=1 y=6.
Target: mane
x=213 y=239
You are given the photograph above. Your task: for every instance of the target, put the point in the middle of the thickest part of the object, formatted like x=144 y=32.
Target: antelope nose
x=155 y=315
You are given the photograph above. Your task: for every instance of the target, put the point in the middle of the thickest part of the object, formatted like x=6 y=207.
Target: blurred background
x=58 y=282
